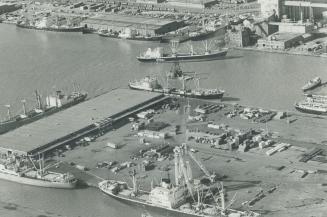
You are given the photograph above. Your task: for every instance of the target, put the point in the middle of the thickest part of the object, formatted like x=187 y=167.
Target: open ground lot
x=290 y=187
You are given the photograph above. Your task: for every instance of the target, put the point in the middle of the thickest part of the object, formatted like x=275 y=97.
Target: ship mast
x=24 y=106
x=222 y=199
x=135 y=188
x=8 y=111
x=38 y=100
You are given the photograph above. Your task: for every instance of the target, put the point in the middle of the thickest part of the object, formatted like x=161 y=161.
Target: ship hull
x=313 y=86
x=36 y=182
x=150 y=207
x=108 y=35
x=76 y=29
x=205 y=57
x=10 y=125
x=203 y=36
x=159 y=38
x=211 y=96
x=310 y=111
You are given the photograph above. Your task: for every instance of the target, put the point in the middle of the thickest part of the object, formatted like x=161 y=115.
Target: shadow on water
x=199 y=60
x=233 y=57
x=229 y=99
x=81 y=185
x=11 y=206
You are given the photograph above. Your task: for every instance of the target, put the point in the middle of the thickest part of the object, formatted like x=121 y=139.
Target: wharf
x=77 y=121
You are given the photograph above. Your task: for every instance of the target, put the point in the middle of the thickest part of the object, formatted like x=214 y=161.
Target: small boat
x=312 y=84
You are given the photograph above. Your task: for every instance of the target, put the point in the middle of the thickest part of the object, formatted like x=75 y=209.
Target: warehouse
x=141 y=25
x=282 y=41
x=59 y=129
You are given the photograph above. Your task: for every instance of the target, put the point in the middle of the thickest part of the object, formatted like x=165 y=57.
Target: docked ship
x=16 y=169
x=311 y=106
x=157 y=55
x=201 y=35
x=152 y=84
x=53 y=28
x=43 y=24
x=182 y=198
x=53 y=104
x=313 y=83
x=109 y=34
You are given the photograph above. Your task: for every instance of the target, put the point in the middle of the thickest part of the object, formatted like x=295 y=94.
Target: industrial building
x=75 y=122
x=9 y=7
x=141 y=25
x=192 y=3
x=282 y=40
x=295 y=10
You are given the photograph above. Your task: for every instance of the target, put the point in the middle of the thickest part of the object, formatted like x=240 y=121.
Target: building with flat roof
x=74 y=122
x=142 y=25
x=282 y=40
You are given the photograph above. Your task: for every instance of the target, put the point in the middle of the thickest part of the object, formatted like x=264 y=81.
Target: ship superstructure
x=179 y=198
x=152 y=84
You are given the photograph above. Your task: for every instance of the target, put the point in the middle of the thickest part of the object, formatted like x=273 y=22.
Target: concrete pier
x=77 y=121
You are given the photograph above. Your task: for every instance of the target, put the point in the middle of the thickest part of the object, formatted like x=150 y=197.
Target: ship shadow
x=241 y=185
x=194 y=61
x=81 y=184
x=230 y=99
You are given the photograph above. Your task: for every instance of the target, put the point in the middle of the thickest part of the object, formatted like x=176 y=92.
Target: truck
x=112 y=145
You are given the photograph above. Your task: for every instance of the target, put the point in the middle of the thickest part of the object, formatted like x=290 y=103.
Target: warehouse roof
x=39 y=133
x=131 y=20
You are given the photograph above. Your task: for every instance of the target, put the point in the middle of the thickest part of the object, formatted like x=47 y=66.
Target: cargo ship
x=152 y=84
x=137 y=37
x=157 y=55
x=312 y=107
x=315 y=82
x=52 y=28
x=16 y=169
x=182 y=198
x=53 y=104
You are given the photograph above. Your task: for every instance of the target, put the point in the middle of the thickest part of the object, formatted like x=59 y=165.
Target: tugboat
x=182 y=198
x=152 y=84
x=17 y=169
x=157 y=55
x=53 y=104
x=312 y=84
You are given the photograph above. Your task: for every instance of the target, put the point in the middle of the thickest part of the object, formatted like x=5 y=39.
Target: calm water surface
x=47 y=61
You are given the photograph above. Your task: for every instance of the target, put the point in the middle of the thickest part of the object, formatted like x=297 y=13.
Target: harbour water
x=48 y=61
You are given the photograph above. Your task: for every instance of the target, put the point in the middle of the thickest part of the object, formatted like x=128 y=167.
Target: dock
x=75 y=122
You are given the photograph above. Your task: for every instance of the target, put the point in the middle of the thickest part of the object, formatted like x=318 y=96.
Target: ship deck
x=59 y=127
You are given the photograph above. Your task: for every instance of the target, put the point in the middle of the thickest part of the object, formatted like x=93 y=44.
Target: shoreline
x=295 y=53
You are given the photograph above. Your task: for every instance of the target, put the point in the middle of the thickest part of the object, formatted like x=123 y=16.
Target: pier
x=75 y=122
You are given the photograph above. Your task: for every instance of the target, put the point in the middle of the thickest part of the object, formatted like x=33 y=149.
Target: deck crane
x=181 y=172
x=212 y=177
